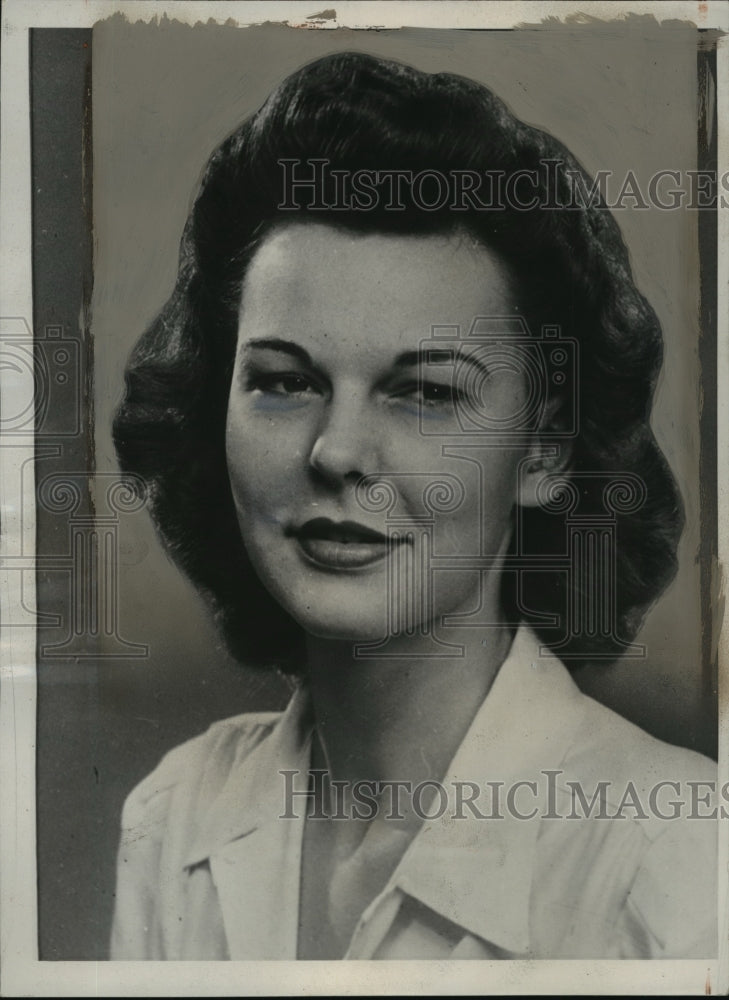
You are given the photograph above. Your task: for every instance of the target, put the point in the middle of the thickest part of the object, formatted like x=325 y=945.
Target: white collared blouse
x=568 y=833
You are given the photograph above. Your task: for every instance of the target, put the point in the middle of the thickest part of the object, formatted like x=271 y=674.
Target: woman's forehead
x=328 y=285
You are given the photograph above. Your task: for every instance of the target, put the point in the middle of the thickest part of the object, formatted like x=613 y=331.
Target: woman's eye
x=283 y=384
x=437 y=392
x=430 y=394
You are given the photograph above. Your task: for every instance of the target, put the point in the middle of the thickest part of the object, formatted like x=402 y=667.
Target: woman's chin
x=341 y=632
x=344 y=628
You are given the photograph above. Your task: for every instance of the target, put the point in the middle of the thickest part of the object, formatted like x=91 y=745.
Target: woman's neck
x=398 y=719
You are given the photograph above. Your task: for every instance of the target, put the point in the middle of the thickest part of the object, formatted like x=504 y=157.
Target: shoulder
x=608 y=748
x=197 y=768
x=661 y=803
x=160 y=819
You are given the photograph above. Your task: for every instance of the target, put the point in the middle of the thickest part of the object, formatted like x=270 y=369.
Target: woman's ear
x=548 y=455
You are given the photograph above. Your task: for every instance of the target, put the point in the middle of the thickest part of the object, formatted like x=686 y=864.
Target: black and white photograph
x=364 y=498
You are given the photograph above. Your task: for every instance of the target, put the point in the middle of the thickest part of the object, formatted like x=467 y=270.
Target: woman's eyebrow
x=438 y=356
x=283 y=346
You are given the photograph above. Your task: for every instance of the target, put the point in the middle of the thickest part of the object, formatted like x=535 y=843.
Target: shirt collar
x=253 y=793
x=478 y=872
x=475 y=872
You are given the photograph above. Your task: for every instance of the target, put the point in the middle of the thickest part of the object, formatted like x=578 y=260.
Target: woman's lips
x=341 y=544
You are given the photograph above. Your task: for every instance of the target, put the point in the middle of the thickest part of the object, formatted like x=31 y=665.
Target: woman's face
x=334 y=380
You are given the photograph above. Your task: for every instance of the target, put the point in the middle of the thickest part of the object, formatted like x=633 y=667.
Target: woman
x=394 y=425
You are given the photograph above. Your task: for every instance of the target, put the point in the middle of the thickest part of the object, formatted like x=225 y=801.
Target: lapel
x=254 y=854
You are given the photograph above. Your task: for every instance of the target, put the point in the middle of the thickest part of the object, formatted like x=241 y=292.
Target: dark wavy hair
x=357 y=111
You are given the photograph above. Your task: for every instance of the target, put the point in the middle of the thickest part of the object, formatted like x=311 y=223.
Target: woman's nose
x=344 y=446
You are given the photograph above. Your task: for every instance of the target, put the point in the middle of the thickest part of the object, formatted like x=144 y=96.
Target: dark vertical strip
x=70 y=917
x=87 y=275
x=708 y=248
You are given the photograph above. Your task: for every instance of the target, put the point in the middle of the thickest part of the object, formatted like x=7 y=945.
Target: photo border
x=22 y=972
